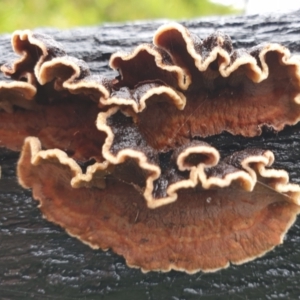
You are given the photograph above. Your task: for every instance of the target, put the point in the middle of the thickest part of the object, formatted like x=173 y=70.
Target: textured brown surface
x=144 y=92
x=39 y=260
x=202 y=230
x=238 y=91
x=45 y=105
x=151 y=130
x=68 y=125
x=221 y=89
x=195 y=163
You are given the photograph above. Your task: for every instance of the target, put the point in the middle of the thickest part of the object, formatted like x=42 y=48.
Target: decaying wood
x=39 y=259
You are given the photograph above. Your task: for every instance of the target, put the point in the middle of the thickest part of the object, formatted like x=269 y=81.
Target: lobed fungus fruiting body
x=124 y=162
x=205 y=229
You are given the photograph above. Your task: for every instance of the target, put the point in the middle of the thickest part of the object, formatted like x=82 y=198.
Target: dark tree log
x=39 y=260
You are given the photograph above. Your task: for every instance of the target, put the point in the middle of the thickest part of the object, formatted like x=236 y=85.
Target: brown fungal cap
x=238 y=91
x=157 y=65
x=35 y=49
x=194 y=164
x=45 y=59
x=190 y=235
x=94 y=174
x=189 y=51
x=16 y=93
x=67 y=125
x=145 y=91
x=59 y=99
x=71 y=74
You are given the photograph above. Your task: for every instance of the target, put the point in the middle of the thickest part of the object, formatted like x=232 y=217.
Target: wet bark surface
x=38 y=260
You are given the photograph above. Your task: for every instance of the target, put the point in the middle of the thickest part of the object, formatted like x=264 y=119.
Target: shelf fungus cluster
x=124 y=163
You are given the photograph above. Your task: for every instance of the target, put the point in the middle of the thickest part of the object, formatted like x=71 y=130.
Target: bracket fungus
x=125 y=163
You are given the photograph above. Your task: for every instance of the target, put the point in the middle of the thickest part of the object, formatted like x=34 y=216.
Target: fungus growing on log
x=58 y=102
x=125 y=163
x=204 y=229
